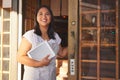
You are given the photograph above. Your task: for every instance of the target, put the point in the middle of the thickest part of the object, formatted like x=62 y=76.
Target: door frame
x=73 y=40
x=19 y=36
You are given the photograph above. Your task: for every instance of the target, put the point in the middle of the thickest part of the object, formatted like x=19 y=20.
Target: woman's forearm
x=63 y=52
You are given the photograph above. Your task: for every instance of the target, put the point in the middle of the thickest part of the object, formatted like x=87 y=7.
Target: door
x=93 y=39
x=98 y=37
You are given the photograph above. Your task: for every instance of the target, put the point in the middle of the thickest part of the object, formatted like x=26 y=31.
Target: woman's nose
x=44 y=15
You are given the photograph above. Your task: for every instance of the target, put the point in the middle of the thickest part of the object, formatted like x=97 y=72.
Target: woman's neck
x=44 y=33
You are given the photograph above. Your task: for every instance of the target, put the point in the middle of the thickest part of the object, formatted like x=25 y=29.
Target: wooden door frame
x=73 y=40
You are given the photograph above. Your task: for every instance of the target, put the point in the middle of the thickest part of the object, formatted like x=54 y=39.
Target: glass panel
x=89 y=20
x=6 y=39
x=88 y=5
x=6 y=13
x=108 y=36
x=89 y=36
x=6 y=26
x=89 y=69
x=108 y=53
x=6 y=52
x=5 y=65
x=5 y=76
x=89 y=53
x=107 y=70
x=108 y=19
x=107 y=4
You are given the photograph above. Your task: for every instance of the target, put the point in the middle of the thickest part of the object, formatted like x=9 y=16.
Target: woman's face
x=44 y=17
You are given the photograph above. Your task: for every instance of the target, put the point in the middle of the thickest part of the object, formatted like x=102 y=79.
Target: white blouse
x=46 y=72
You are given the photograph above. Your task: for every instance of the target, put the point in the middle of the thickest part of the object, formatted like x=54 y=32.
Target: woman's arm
x=23 y=58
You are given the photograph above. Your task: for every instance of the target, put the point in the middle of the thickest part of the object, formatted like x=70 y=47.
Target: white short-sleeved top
x=46 y=72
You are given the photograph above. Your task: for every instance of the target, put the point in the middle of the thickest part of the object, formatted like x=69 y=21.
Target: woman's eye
x=40 y=14
x=47 y=13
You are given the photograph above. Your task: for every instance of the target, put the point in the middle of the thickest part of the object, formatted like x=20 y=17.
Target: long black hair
x=50 y=30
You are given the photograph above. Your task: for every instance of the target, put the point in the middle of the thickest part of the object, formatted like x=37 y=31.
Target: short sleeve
x=29 y=36
x=58 y=39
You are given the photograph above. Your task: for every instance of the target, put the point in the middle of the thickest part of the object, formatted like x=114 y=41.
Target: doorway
x=61 y=27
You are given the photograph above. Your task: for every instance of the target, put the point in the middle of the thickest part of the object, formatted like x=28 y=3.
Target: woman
x=45 y=68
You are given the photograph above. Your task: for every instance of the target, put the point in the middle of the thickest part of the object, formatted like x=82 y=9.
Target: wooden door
x=98 y=40
x=93 y=39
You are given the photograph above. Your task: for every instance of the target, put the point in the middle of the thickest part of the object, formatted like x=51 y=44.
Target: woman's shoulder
x=29 y=35
x=29 y=31
x=57 y=37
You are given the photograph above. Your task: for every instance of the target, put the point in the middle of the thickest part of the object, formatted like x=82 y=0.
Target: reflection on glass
x=6 y=26
x=108 y=19
x=89 y=69
x=6 y=13
x=107 y=70
x=108 y=53
x=89 y=20
x=6 y=39
x=89 y=53
x=95 y=2
x=89 y=5
x=107 y=4
x=108 y=36
x=5 y=65
x=89 y=35
x=5 y=76
x=6 y=52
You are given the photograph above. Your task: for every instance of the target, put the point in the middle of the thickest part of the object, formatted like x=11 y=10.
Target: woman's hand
x=63 y=52
x=45 y=61
x=23 y=58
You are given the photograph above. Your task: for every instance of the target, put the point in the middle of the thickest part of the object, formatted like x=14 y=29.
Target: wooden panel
x=45 y=2
x=55 y=6
x=65 y=7
x=29 y=13
x=73 y=38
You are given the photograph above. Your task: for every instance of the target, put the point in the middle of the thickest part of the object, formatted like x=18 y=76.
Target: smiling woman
x=43 y=31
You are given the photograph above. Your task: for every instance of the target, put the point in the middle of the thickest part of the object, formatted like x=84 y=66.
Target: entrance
x=60 y=11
